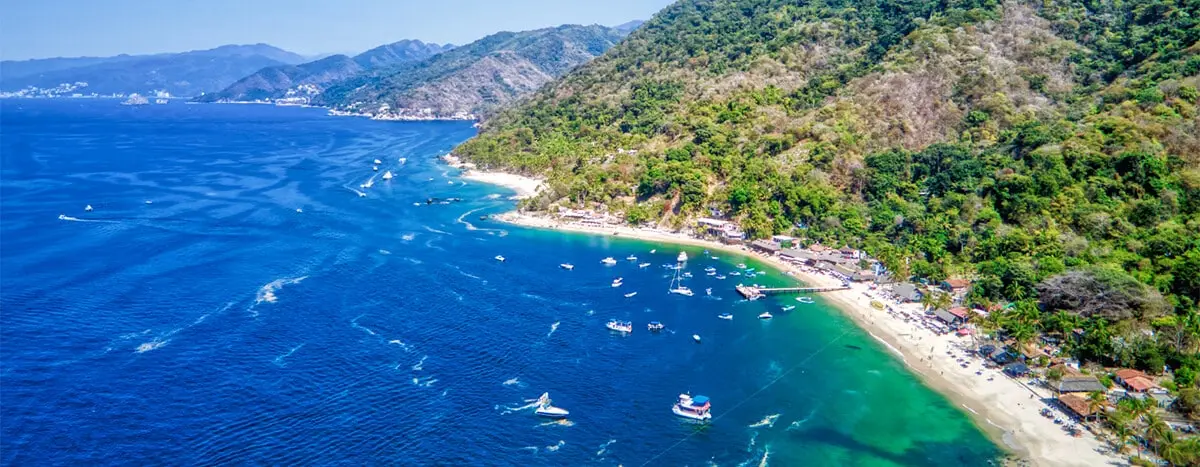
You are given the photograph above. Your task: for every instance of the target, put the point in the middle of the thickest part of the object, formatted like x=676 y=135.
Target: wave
x=424 y=382
x=400 y=343
x=354 y=324
x=604 y=448
x=408 y=237
x=553 y=327
x=492 y=196
x=560 y=422
x=555 y=447
x=266 y=293
x=436 y=231
x=421 y=364
x=768 y=421
x=512 y=382
x=279 y=359
x=359 y=193
x=533 y=449
x=148 y=346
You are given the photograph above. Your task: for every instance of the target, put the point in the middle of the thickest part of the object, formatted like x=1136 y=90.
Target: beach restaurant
x=1077 y=405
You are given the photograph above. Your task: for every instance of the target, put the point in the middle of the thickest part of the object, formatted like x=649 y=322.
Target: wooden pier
x=755 y=293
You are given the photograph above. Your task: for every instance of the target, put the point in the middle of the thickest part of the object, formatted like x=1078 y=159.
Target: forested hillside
x=1040 y=148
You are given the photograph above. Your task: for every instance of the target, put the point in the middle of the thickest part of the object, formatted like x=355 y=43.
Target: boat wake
x=436 y=231
x=267 y=292
x=424 y=382
x=408 y=237
x=279 y=360
x=553 y=327
x=355 y=325
x=555 y=447
x=154 y=344
x=768 y=421
x=395 y=341
x=560 y=422
x=796 y=425
x=531 y=403
x=514 y=382
x=384 y=252
x=604 y=448
x=421 y=364
x=63 y=217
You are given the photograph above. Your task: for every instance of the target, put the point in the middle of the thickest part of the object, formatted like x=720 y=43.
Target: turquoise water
x=217 y=324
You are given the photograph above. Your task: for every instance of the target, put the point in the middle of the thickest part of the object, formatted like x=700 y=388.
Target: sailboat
x=677 y=286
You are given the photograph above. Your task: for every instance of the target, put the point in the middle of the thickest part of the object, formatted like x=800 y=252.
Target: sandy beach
x=1006 y=408
x=524 y=186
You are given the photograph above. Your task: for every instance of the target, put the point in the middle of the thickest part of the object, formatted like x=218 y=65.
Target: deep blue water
x=217 y=324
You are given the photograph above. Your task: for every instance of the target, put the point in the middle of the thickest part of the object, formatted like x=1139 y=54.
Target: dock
x=755 y=293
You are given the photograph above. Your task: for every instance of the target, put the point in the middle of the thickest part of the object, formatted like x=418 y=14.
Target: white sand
x=525 y=187
x=1002 y=407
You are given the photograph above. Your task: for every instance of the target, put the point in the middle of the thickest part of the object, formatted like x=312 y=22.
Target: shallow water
x=217 y=324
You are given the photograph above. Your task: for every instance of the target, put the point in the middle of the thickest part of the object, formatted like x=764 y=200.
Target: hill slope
x=473 y=78
x=1007 y=142
x=307 y=79
x=181 y=74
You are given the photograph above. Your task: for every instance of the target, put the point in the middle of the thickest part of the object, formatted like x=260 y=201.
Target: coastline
x=1006 y=409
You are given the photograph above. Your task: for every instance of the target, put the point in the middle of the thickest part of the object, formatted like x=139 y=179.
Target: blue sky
x=52 y=28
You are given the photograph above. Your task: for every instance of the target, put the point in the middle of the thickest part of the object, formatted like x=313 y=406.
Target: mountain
x=630 y=26
x=306 y=80
x=473 y=78
x=181 y=74
x=1005 y=142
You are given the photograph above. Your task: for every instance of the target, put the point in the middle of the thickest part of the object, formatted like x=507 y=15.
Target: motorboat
x=500 y=258
x=88 y=208
x=710 y=269
x=804 y=299
x=653 y=251
x=708 y=291
x=741 y=266
x=377 y=162
x=728 y=316
x=693 y=407
x=681 y=290
x=720 y=278
x=299 y=210
x=375 y=168
x=403 y=160
x=619 y=326
x=681 y=258
x=609 y=261
x=789 y=308
x=765 y=315
x=544 y=409
x=630 y=294
x=616 y=282
x=655 y=326
x=687 y=275
x=696 y=337
x=364 y=195
x=711 y=273
x=714 y=257
x=387 y=175
x=644 y=265
x=631 y=258
x=567 y=266
x=735 y=273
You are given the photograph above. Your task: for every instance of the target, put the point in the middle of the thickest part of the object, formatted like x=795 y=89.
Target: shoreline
x=526 y=187
x=1005 y=409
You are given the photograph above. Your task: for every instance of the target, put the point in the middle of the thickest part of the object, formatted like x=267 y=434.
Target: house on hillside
x=1134 y=380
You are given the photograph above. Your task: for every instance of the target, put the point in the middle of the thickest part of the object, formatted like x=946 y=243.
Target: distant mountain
x=630 y=26
x=181 y=74
x=473 y=78
x=306 y=80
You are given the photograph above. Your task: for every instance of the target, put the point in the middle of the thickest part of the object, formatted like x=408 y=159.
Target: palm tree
x=1096 y=402
x=1157 y=430
x=1182 y=452
x=1120 y=427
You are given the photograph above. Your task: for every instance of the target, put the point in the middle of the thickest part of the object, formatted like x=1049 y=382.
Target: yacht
x=387 y=175
x=708 y=291
x=653 y=251
x=711 y=273
x=299 y=210
x=714 y=257
x=631 y=258
x=616 y=282
x=630 y=294
x=696 y=337
x=567 y=266
x=735 y=273
x=135 y=99
x=655 y=326
x=728 y=316
x=720 y=278
x=789 y=308
x=765 y=315
x=693 y=407
x=544 y=408
x=403 y=160
x=377 y=162
x=644 y=265
x=160 y=101
x=741 y=266
x=687 y=275
x=804 y=299
x=609 y=261
x=681 y=258
x=88 y=208
x=681 y=290
x=500 y=258
x=710 y=269
x=619 y=326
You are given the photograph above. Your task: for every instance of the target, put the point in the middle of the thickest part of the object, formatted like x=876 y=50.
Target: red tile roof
x=1127 y=374
x=958 y=283
x=959 y=312
x=1140 y=384
x=1077 y=404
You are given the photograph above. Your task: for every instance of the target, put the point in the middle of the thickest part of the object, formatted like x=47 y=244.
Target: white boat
x=735 y=273
x=804 y=299
x=710 y=269
x=681 y=290
x=619 y=326
x=644 y=265
x=714 y=257
x=403 y=160
x=616 y=282
x=765 y=315
x=653 y=251
x=631 y=258
x=609 y=261
x=567 y=266
x=544 y=408
x=364 y=195
x=741 y=266
x=655 y=326
x=369 y=184
x=377 y=162
x=500 y=258
x=789 y=308
x=681 y=258
x=687 y=275
x=708 y=291
x=375 y=168
x=88 y=208
x=630 y=294
x=695 y=408
x=696 y=337
x=728 y=316
x=711 y=273
x=299 y=210
x=720 y=278
x=387 y=175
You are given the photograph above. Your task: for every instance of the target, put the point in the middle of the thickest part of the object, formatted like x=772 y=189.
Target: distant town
x=72 y=91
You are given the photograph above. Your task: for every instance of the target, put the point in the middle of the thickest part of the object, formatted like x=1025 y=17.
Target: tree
x=1157 y=430
x=1096 y=402
x=1054 y=374
x=1184 y=452
x=1120 y=426
x=1189 y=402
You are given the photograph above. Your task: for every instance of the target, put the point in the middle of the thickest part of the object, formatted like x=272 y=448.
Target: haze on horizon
x=73 y=28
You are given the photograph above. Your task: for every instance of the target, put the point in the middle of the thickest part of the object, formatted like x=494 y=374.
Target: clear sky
x=68 y=28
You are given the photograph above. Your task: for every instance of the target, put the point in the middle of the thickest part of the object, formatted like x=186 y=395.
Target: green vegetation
x=1048 y=150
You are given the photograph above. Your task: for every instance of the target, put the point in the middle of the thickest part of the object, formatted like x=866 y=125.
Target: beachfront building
x=765 y=246
x=1134 y=380
x=1077 y=405
x=1079 y=384
x=956 y=286
x=797 y=256
x=907 y=292
x=784 y=241
x=725 y=231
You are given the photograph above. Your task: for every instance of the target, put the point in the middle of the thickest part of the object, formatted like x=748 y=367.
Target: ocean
x=231 y=298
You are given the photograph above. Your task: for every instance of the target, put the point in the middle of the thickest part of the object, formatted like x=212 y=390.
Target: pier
x=755 y=293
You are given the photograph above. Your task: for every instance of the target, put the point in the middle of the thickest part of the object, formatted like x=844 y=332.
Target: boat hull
x=552 y=412
x=691 y=415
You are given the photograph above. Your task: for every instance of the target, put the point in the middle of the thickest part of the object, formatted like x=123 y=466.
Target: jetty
x=754 y=292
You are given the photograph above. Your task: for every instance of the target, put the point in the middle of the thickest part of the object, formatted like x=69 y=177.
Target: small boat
x=377 y=162
x=364 y=195
x=644 y=265
x=687 y=275
x=403 y=160
x=609 y=261
x=708 y=291
x=655 y=326
x=149 y=202
x=375 y=168
x=728 y=316
x=631 y=258
x=681 y=290
x=653 y=251
x=616 y=282
x=711 y=273
x=765 y=315
x=714 y=257
x=88 y=208
x=789 y=308
x=630 y=294
x=710 y=269
x=741 y=266
x=696 y=337
x=544 y=408
x=735 y=273
x=387 y=175
x=567 y=266
x=681 y=258
x=695 y=408
x=804 y=299
x=720 y=278
x=619 y=326
x=500 y=258
x=299 y=210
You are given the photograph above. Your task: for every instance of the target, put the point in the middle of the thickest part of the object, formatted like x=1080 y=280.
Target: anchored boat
x=620 y=326
x=544 y=408
x=567 y=266
x=609 y=261
x=655 y=326
x=695 y=408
